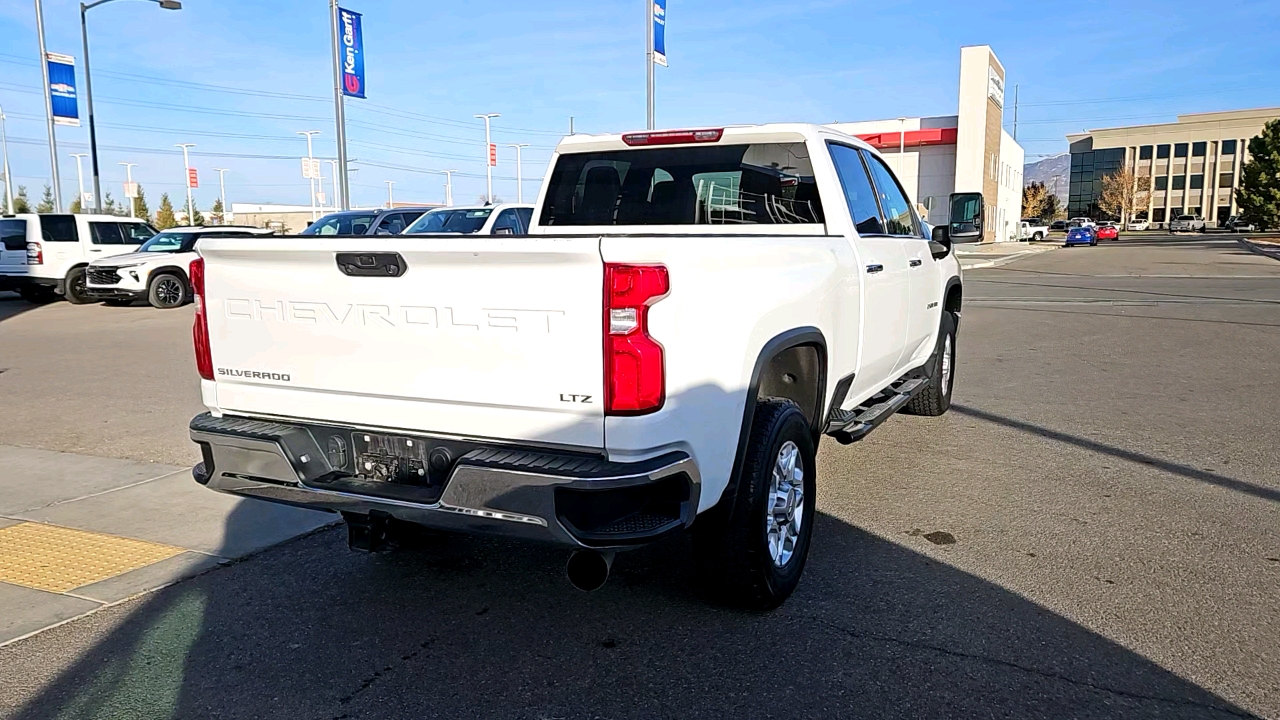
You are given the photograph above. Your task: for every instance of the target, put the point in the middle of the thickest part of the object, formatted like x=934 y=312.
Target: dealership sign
x=660 y=32
x=995 y=86
x=352 y=56
x=62 y=89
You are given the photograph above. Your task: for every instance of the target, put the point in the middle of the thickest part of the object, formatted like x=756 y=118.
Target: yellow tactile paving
x=58 y=559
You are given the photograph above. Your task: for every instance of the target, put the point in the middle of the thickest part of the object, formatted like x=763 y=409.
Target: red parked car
x=1108 y=231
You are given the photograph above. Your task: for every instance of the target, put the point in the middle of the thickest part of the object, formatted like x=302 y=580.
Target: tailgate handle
x=371 y=264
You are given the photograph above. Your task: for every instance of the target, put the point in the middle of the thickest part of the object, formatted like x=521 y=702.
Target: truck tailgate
x=485 y=337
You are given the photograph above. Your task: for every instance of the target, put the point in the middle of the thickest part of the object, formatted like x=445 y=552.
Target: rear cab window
x=731 y=184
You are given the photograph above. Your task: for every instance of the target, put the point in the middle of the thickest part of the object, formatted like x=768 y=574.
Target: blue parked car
x=1081 y=235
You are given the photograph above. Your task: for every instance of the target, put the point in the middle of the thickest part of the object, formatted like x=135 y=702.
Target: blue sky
x=240 y=77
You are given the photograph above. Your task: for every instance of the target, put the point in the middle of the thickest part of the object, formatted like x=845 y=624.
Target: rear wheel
x=166 y=291
x=752 y=546
x=1037 y=237
x=75 y=289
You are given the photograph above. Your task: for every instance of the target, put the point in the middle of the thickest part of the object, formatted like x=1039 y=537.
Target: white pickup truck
x=690 y=313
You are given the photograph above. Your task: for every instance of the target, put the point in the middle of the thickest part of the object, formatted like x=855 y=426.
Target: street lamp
x=391 y=202
x=80 y=178
x=448 y=187
x=311 y=181
x=191 y=206
x=8 y=179
x=333 y=165
x=488 y=156
x=519 y=178
x=222 y=191
x=128 y=184
x=88 y=87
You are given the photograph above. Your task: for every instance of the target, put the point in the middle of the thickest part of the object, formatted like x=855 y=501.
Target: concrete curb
x=1264 y=251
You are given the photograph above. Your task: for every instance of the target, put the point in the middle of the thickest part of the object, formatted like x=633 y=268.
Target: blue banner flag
x=660 y=32
x=62 y=89
x=352 y=53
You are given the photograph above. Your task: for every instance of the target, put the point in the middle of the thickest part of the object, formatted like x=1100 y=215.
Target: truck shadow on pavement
x=11 y=305
x=472 y=627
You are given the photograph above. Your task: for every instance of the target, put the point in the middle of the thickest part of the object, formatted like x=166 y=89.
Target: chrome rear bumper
x=566 y=499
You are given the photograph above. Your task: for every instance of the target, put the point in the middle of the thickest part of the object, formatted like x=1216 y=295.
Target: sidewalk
x=1269 y=247
x=975 y=256
x=80 y=532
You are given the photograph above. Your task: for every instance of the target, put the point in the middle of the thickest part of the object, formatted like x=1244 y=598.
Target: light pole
x=448 y=187
x=311 y=182
x=128 y=182
x=48 y=112
x=339 y=110
x=222 y=192
x=391 y=202
x=80 y=178
x=88 y=88
x=8 y=179
x=489 y=159
x=333 y=165
x=519 y=177
x=191 y=205
x=648 y=66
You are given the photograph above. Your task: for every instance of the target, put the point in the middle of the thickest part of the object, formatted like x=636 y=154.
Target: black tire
x=731 y=540
x=934 y=398
x=1093 y=243
x=166 y=291
x=38 y=294
x=1037 y=237
x=74 y=289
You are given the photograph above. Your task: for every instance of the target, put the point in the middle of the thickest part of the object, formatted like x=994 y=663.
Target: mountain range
x=1054 y=172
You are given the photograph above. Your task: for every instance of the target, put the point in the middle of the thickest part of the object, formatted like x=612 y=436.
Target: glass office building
x=1191 y=166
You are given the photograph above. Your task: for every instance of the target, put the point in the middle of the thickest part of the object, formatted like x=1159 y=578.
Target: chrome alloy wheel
x=169 y=291
x=786 y=504
x=946 y=365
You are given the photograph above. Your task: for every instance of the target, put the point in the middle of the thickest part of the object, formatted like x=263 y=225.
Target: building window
x=1144 y=152
x=1228 y=147
x=1162 y=151
x=1179 y=182
x=1162 y=183
x=1197 y=149
x=1157 y=215
x=1197 y=182
x=1180 y=150
x=1225 y=179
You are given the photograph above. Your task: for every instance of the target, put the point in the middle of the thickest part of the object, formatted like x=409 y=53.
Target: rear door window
x=58 y=228
x=392 y=224
x=506 y=220
x=106 y=233
x=526 y=219
x=136 y=233
x=765 y=183
x=858 y=192
x=13 y=235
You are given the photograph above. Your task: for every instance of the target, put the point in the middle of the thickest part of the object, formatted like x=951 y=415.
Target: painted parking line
x=57 y=559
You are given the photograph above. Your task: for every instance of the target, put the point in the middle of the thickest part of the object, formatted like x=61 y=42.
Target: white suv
x=157 y=272
x=43 y=256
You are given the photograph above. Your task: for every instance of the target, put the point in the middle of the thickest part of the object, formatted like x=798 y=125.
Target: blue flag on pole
x=62 y=89
x=352 y=45
x=660 y=32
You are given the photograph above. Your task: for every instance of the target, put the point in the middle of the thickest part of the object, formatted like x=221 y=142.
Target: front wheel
x=752 y=546
x=166 y=291
x=935 y=397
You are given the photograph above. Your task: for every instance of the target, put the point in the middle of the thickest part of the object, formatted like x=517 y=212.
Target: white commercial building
x=965 y=152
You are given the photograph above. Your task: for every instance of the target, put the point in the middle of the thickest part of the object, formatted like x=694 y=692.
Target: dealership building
x=965 y=152
x=1191 y=166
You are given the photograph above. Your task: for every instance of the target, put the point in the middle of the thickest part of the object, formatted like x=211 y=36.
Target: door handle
x=875 y=268
x=916 y=262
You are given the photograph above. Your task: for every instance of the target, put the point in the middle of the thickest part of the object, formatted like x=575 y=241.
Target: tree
x=1033 y=197
x=76 y=208
x=109 y=206
x=164 y=216
x=21 y=203
x=482 y=200
x=1259 y=193
x=1052 y=208
x=140 y=205
x=46 y=202
x=217 y=214
x=1121 y=195
x=196 y=218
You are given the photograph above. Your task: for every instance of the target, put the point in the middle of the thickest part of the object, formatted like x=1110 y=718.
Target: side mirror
x=966 y=217
x=940 y=244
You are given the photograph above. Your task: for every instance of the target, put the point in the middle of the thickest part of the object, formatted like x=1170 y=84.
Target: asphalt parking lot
x=1092 y=532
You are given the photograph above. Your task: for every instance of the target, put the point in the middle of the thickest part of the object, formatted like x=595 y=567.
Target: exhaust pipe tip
x=588 y=570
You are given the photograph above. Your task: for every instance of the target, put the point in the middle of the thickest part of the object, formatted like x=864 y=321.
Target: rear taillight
x=35 y=253
x=673 y=137
x=200 y=329
x=634 y=365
